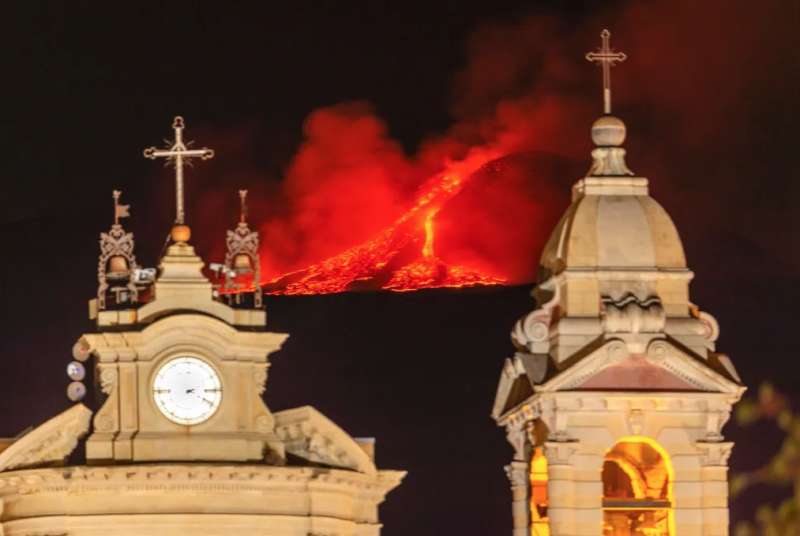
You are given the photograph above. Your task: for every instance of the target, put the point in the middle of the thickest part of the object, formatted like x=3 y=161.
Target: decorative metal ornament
x=117 y=260
x=76 y=391
x=76 y=371
x=175 y=153
x=80 y=351
x=606 y=57
x=242 y=254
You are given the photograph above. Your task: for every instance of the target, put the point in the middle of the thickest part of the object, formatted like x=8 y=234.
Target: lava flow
x=432 y=272
x=374 y=264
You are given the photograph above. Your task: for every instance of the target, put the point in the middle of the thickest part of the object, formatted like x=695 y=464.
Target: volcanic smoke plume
x=474 y=205
x=359 y=213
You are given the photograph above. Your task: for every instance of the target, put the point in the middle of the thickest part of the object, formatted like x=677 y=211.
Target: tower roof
x=613 y=224
x=613 y=280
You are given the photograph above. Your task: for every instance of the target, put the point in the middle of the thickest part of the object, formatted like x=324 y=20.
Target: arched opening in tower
x=637 y=489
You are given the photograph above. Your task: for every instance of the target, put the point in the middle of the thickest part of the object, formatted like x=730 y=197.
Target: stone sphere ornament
x=76 y=371
x=76 y=391
x=181 y=233
x=608 y=131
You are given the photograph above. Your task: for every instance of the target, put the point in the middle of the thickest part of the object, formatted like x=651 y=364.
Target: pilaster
x=518 y=473
x=561 y=487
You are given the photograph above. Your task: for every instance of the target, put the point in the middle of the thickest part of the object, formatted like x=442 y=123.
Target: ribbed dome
x=613 y=232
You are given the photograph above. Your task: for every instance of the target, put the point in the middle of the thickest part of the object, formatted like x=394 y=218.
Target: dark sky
x=711 y=106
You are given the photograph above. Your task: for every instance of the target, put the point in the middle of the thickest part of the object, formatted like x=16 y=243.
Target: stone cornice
x=221 y=339
x=661 y=352
x=604 y=401
x=49 y=443
x=183 y=478
x=307 y=433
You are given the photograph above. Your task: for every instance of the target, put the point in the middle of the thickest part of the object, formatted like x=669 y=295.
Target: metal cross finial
x=243 y=206
x=120 y=211
x=176 y=153
x=606 y=57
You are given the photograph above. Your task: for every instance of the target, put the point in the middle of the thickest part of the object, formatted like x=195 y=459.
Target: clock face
x=187 y=390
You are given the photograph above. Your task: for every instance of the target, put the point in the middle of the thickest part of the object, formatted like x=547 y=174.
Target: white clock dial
x=187 y=390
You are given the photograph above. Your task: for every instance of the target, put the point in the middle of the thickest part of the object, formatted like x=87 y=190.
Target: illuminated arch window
x=637 y=489
x=540 y=526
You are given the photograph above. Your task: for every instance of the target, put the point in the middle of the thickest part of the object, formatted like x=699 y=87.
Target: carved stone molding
x=658 y=350
x=560 y=453
x=308 y=434
x=616 y=351
x=50 y=442
x=159 y=479
x=715 y=454
x=710 y=324
x=518 y=473
x=532 y=332
x=716 y=417
x=608 y=161
x=108 y=379
x=518 y=437
x=635 y=421
x=629 y=314
x=264 y=423
x=260 y=377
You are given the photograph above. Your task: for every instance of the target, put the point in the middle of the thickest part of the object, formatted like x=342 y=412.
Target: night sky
x=709 y=95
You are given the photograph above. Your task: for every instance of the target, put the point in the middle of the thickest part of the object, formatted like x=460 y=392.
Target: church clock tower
x=181 y=441
x=615 y=400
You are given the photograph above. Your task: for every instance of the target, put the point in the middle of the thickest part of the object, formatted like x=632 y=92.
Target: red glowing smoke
x=353 y=195
x=356 y=217
x=522 y=107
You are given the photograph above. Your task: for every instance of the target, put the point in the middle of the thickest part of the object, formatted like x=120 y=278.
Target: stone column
x=588 y=489
x=518 y=472
x=714 y=477
x=560 y=487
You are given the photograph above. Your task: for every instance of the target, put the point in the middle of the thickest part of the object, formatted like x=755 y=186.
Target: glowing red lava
x=432 y=272
x=370 y=264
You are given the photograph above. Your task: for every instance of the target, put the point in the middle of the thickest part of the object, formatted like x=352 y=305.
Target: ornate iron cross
x=606 y=57
x=175 y=153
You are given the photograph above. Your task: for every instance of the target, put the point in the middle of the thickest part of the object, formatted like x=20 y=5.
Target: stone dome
x=608 y=226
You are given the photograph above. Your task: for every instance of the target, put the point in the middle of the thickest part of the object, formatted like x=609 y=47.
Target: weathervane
x=176 y=152
x=242 y=206
x=120 y=211
x=606 y=57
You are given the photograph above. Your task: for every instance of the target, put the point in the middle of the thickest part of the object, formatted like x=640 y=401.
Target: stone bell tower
x=615 y=400
x=181 y=441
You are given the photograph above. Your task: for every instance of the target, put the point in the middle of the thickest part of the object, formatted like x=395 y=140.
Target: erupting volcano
x=381 y=261
x=432 y=272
